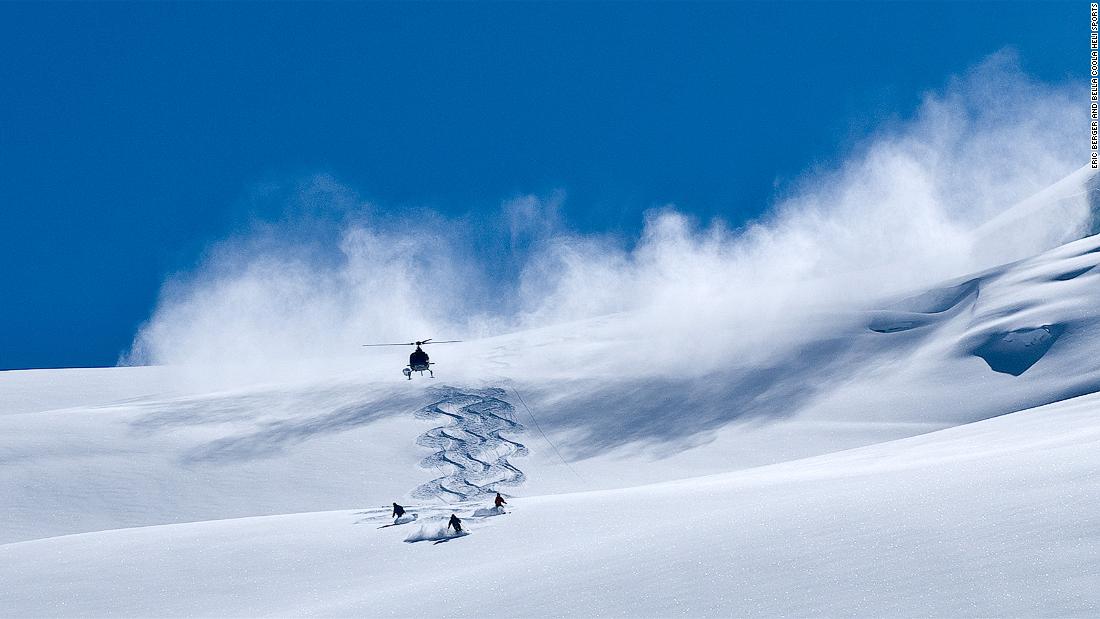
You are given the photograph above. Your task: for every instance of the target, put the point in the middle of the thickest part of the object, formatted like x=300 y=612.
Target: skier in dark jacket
x=499 y=501
x=456 y=523
x=398 y=511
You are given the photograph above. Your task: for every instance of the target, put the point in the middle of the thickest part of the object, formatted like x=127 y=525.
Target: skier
x=499 y=501
x=398 y=511
x=456 y=523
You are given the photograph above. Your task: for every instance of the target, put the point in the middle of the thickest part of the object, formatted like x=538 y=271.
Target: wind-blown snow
x=915 y=204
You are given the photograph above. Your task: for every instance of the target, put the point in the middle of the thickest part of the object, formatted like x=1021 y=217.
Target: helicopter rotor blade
x=419 y=343
x=401 y=344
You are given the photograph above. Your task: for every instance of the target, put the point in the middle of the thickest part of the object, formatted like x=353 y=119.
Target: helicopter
x=418 y=360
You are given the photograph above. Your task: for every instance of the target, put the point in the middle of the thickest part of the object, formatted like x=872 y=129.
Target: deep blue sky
x=132 y=134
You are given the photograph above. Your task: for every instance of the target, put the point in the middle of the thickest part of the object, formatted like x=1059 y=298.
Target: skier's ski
x=406 y=519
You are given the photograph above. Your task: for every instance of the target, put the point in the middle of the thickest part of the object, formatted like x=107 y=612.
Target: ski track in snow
x=471 y=452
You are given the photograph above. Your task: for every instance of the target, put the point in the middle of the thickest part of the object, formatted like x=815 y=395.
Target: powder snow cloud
x=901 y=212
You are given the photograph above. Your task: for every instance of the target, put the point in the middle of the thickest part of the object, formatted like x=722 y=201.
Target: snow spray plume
x=287 y=299
x=901 y=213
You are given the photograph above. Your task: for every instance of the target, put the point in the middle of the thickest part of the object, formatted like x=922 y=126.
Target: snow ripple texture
x=471 y=453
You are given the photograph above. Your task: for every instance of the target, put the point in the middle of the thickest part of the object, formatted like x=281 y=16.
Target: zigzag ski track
x=471 y=452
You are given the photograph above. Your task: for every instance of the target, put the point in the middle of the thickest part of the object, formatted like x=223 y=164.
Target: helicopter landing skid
x=408 y=373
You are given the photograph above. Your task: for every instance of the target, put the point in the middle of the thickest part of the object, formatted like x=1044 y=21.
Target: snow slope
x=935 y=454
x=165 y=452
x=995 y=518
